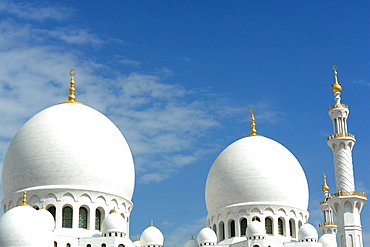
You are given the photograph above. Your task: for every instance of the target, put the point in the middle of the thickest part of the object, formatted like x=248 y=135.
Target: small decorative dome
x=151 y=236
x=191 y=243
x=71 y=139
x=256 y=170
x=114 y=222
x=137 y=243
x=255 y=228
x=207 y=235
x=307 y=233
x=328 y=240
x=21 y=227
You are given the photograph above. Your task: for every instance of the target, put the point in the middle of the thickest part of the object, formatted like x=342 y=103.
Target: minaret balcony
x=341 y=135
x=349 y=193
x=337 y=106
x=327 y=224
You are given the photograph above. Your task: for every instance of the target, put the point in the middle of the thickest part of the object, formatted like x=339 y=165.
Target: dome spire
x=325 y=187
x=336 y=87
x=71 y=96
x=24 y=201
x=253 y=123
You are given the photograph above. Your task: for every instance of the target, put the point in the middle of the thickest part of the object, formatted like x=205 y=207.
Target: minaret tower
x=346 y=203
x=328 y=226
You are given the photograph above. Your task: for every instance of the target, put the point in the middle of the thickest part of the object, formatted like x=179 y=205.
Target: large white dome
x=256 y=170
x=69 y=146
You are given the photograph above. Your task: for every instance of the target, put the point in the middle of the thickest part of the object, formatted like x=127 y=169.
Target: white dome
x=256 y=170
x=21 y=227
x=151 y=236
x=328 y=240
x=207 y=235
x=255 y=228
x=46 y=218
x=191 y=243
x=114 y=222
x=137 y=243
x=69 y=146
x=307 y=231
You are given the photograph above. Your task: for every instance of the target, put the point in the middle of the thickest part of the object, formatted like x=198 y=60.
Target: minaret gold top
x=24 y=202
x=71 y=96
x=336 y=87
x=325 y=187
x=253 y=123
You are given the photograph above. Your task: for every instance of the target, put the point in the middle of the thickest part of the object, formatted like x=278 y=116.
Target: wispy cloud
x=361 y=82
x=130 y=62
x=184 y=232
x=37 y=11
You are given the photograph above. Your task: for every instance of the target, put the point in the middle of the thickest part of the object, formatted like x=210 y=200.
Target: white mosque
x=68 y=179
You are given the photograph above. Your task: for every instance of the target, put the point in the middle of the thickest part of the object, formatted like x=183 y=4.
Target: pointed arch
x=231 y=228
x=243 y=226
x=281 y=226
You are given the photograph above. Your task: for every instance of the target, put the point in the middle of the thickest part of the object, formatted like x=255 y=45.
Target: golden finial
x=255 y=218
x=71 y=96
x=151 y=223
x=253 y=123
x=114 y=210
x=336 y=87
x=42 y=205
x=24 y=201
x=325 y=187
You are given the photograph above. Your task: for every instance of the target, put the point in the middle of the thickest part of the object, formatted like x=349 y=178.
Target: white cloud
x=180 y=235
x=74 y=36
x=361 y=82
x=37 y=11
x=130 y=62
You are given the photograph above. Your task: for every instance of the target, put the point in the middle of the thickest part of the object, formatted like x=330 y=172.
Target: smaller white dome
x=47 y=219
x=151 y=236
x=255 y=228
x=191 y=243
x=207 y=235
x=114 y=222
x=137 y=243
x=307 y=232
x=328 y=240
x=21 y=227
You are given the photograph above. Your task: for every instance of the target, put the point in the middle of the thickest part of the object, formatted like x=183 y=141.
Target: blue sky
x=178 y=79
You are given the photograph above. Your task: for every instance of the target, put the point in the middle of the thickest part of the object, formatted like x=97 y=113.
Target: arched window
x=280 y=226
x=89 y=245
x=97 y=219
x=68 y=245
x=232 y=228
x=103 y=245
x=55 y=244
x=243 y=227
x=67 y=217
x=268 y=225
x=292 y=230
x=214 y=228
x=222 y=231
x=82 y=220
x=121 y=245
x=52 y=210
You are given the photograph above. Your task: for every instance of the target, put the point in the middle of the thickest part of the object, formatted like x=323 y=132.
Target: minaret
x=346 y=203
x=328 y=226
